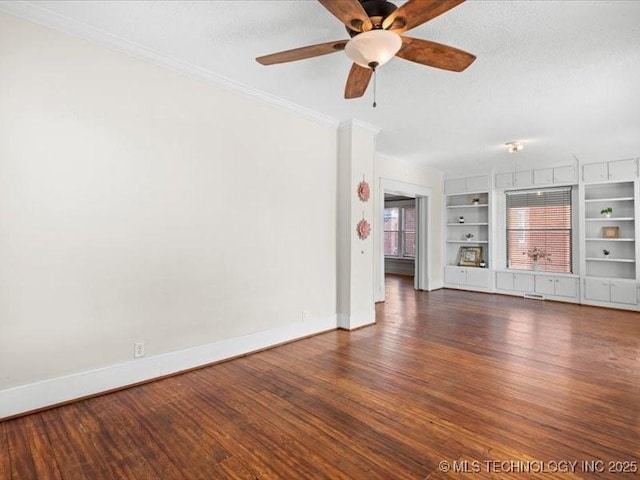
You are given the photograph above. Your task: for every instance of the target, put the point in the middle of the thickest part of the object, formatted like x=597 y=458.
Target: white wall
x=140 y=204
x=422 y=178
x=356 y=154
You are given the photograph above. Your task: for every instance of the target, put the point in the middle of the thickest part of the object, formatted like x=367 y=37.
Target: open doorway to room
x=399 y=226
x=402 y=246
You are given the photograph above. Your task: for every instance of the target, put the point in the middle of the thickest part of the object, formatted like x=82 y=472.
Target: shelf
x=608 y=277
x=467 y=224
x=610 y=219
x=455 y=265
x=618 y=199
x=468 y=206
x=610 y=239
x=615 y=260
x=467 y=241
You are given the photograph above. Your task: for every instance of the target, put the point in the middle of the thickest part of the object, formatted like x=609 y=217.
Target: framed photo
x=470 y=256
x=610 y=232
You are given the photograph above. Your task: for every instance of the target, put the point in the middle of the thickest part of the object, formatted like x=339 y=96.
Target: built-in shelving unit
x=467 y=224
x=619 y=262
x=605 y=245
x=609 y=247
x=464 y=217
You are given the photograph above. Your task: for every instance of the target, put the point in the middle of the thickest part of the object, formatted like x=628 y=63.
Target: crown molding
x=40 y=15
x=354 y=122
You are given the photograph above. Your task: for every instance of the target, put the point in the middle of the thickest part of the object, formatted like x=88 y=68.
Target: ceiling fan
x=375 y=27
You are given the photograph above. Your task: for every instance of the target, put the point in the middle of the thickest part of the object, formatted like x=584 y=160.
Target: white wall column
x=355 y=256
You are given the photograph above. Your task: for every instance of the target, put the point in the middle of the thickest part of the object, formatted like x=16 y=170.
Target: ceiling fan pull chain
x=373 y=66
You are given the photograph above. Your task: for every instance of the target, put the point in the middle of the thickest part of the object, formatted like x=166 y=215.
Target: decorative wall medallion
x=364 y=191
x=363 y=228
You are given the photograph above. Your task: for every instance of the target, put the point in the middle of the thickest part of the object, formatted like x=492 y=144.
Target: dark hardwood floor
x=502 y=383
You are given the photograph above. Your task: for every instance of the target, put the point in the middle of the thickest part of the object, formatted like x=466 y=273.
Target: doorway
x=399 y=225
x=418 y=196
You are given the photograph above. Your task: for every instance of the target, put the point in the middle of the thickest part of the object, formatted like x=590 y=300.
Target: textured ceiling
x=564 y=76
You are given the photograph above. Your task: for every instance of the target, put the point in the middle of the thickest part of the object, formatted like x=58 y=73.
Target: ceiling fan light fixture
x=375 y=47
x=514 y=147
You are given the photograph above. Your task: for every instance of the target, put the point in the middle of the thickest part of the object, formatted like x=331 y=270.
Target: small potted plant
x=468 y=236
x=536 y=254
x=475 y=201
x=606 y=253
x=606 y=211
x=460 y=219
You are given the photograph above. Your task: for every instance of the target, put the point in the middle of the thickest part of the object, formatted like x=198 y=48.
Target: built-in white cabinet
x=520 y=179
x=467 y=185
x=518 y=282
x=504 y=180
x=461 y=277
x=609 y=290
x=556 y=286
x=610 y=171
x=553 y=286
x=565 y=175
x=606 y=270
x=609 y=246
x=542 y=176
x=467 y=230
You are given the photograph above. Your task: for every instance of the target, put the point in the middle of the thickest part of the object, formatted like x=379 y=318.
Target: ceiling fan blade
x=434 y=54
x=417 y=12
x=301 y=53
x=358 y=81
x=349 y=12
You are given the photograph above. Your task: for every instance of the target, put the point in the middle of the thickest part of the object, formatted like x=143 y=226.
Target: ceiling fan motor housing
x=377 y=11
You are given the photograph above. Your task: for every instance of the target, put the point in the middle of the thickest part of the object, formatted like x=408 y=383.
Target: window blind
x=409 y=229
x=399 y=231
x=539 y=219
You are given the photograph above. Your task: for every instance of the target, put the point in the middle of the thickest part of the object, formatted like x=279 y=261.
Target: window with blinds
x=400 y=231
x=539 y=220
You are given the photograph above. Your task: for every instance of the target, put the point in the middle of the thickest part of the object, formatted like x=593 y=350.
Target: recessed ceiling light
x=514 y=146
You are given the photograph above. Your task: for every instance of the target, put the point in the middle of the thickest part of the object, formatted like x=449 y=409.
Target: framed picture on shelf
x=610 y=232
x=470 y=256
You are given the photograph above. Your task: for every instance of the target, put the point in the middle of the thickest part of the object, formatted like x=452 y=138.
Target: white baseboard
x=34 y=396
x=356 y=320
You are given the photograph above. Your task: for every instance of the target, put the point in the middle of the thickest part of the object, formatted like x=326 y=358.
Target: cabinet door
x=478 y=184
x=523 y=179
x=544 y=285
x=622 y=170
x=454 y=275
x=504 y=281
x=504 y=180
x=595 y=172
x=597 y=289
x=566 y=287
x=624 y=292
x=523 y=282
x=543 y=176
x=564 y=174
x=455 y=185
x=478 y=277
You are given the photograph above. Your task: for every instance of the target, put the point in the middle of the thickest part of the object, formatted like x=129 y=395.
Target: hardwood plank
x=443 y=376
x=5 y=461
x=76 y=455
x=22 y=462
x=198 y=447
x=41 y=450
x=323 y=445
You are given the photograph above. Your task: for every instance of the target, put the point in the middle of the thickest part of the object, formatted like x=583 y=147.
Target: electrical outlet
x=138 y=349
x=305 y=315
